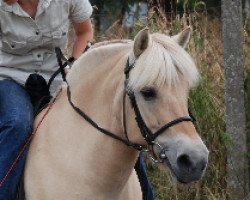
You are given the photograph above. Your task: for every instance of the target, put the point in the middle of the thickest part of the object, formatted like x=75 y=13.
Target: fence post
x=237 y=162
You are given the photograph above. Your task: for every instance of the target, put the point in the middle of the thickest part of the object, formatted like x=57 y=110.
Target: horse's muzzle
x=186 y=162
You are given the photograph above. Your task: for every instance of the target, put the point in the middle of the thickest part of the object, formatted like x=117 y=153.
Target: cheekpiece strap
x=128 y=67
x=145 y=131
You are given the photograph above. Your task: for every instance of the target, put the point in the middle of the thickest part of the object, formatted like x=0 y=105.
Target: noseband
x=145 y=131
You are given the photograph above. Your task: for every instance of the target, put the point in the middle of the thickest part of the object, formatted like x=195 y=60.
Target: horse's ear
x=183 y=37
x=141 y=42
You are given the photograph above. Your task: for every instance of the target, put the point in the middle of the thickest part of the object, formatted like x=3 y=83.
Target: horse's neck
x=107 y=162
x=99 y=93
x=94 y=164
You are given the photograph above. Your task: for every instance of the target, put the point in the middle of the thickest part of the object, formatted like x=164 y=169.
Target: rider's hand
x=9 y=2
x=71 y=60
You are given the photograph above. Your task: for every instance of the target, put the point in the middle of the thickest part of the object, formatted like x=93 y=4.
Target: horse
x=121 y=97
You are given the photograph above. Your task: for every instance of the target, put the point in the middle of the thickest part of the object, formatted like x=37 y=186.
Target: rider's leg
x=16 y=120
x=142 y=174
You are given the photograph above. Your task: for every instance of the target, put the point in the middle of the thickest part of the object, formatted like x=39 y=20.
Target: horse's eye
x=148 y=94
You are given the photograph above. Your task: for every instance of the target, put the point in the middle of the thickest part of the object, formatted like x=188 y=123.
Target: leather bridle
x=146 y=133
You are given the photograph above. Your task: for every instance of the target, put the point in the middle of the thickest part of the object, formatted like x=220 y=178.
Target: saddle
x=38 y=90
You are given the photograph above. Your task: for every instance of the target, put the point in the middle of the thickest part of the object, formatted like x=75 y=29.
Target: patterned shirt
x=27 y=44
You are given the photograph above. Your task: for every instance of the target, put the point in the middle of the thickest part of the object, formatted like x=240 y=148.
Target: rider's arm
x=84 y=34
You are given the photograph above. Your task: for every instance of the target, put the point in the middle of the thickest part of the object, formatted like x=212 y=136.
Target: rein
x=28 y=141
x=145 y=131
x=126 y=141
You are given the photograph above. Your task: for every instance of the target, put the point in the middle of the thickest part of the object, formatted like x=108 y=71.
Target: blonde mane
x=163 y=62
x=108 y=42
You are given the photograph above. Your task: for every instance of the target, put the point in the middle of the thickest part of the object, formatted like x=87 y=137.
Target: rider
x=29 y=32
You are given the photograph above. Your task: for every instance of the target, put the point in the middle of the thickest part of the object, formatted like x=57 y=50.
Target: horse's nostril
x=184 y=162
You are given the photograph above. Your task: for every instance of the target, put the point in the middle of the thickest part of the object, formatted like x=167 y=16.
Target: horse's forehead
x=161 y=48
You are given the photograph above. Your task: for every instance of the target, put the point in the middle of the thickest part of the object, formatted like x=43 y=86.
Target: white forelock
x=163 y=62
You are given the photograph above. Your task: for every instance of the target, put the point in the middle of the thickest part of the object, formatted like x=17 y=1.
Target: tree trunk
x=234 y=97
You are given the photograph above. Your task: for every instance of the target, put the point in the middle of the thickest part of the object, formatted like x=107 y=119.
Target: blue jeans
x=16 y=121
x=146 y=187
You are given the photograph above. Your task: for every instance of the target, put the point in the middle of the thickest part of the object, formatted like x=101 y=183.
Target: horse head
x=160 y=75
